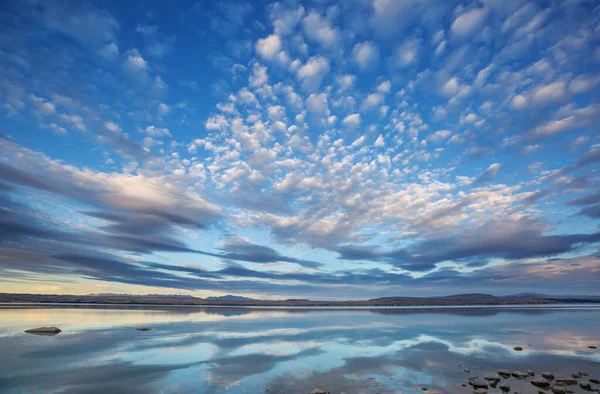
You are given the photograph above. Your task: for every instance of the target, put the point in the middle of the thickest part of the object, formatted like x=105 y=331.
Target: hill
x=459 y=299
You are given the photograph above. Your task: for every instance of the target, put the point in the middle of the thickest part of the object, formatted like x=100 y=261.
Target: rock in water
x=504 y=373
x=530 y=372
x=143 y=329
x=504 y=387
x=566 y=381
x=593 y=347
x=556 y=390
x=480 y=391
x=480 y=384
x=44 y=331
x=491 y=377
x=519 y=375
x=518 y=348
x=585 y=386
x=540 y=382
x=547 y=375
x=595 y=381
x=319 y=391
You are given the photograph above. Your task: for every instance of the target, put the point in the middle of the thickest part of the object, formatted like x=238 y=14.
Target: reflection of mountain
x=467 y=311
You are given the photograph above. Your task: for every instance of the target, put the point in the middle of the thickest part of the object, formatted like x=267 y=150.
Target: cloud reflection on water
x=249 y=350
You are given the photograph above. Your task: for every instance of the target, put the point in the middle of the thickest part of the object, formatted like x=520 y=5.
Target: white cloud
x=259 y=76
x=346 y=81
x=135 y=66
x=407 y=53
x=371 y=101
x=317 y=104
x=163 y=110
x=359 y=141
x=380 y=142
x=157 y=132
x=439 y=136
x=312 y=73
x=584 y=83
x=576 y=118
x=352 y=120
x=483 y=75
x=519 y=102
x=270 y=49
x=545 y=94
x=319 y=29
x=384 y=87
x=109 y=51
x=465 y=24
x=285 y=19
x=42 y=106
x=73 y=120
x=365 y=54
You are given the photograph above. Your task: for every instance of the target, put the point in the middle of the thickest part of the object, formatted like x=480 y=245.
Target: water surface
x=238 y=350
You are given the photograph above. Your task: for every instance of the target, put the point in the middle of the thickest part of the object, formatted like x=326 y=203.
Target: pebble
x=540 y=382
x=519 y=374
x=491 y=377
x=480 y=384
x=566 y=381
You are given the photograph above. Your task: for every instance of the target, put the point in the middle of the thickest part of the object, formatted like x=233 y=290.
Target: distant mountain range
x=559 y=297
x=232 y=300
x=229 y=297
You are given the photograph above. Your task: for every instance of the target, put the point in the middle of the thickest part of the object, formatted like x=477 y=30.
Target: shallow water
x=236 y=350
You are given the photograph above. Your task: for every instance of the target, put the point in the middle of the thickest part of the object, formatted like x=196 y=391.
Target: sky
x=325 y=150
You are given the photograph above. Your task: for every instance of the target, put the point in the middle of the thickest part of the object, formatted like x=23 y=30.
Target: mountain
x=231 y=300
x=229 y=297
x=135 y=295
x=561 y=297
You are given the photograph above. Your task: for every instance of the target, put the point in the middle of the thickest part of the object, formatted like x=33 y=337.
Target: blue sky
x=319 y=149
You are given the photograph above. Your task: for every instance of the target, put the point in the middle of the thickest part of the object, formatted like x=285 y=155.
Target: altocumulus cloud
x=319 y=148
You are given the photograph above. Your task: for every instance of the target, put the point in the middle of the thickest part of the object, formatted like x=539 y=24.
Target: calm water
x=228 y=350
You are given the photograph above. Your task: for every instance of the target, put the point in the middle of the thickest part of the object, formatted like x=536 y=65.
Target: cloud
x=466 y=23
x=490 y=173
x=319 y=29
x=270 y=49
x=407 y=53
x=509 y=240
x=576 y=118
x=312 y=73
x=81 y=21
x=439 y=136
x=153 y=131
x=365 y=55
x=352 y=120
x=135 y=67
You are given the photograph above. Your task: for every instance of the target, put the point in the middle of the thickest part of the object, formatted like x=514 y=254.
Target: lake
x=252 y=350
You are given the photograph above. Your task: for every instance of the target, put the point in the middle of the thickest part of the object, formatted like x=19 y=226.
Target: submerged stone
x=540 y=382
x=44 y=331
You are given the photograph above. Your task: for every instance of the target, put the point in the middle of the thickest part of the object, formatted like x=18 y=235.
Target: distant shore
x=454 y=300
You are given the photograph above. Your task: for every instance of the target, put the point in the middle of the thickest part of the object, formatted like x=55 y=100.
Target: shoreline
x=7 y=305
